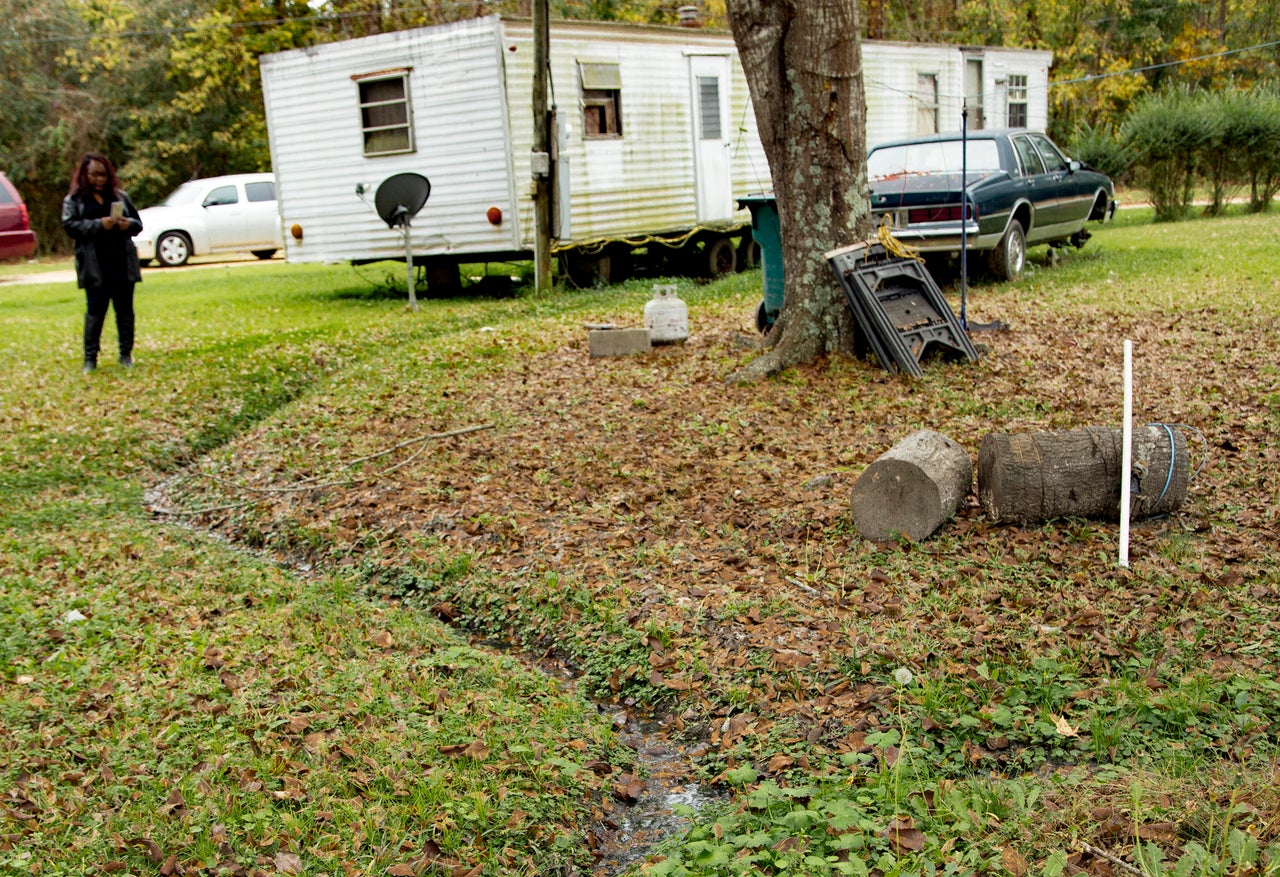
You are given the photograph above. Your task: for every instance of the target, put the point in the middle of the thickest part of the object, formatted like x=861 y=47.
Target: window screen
x=385 y=117
x=709 y=106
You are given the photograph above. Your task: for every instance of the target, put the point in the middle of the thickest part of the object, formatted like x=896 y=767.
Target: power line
x=1093 y=77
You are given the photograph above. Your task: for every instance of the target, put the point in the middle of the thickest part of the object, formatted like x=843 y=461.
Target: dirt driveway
x=68 y=274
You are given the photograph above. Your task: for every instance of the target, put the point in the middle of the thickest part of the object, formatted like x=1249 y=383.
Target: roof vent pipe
x=690 y=16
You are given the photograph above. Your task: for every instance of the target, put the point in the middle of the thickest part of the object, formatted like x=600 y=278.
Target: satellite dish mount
x=398 y=200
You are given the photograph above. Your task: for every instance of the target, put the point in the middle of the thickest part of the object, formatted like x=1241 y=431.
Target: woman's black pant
x=119 y=296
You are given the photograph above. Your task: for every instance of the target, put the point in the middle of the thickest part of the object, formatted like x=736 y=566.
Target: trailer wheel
x=619 y=264
x=720 y=257
x=586 y=272
x=748 y=253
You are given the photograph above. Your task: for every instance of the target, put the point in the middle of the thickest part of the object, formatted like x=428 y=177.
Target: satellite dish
x=400 y=197
x=398 y=200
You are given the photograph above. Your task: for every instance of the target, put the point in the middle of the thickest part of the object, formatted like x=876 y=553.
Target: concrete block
x=618 y=342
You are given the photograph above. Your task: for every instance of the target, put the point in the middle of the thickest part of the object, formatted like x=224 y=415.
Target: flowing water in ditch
x=632 y=828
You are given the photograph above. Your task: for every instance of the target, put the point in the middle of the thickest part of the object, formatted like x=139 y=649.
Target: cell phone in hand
x=117 y=209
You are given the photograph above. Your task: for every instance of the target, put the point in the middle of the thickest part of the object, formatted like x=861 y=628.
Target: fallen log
x=912 y=488
x=1030 y=477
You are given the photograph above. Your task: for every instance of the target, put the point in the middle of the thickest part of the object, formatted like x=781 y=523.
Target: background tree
x=803 y=65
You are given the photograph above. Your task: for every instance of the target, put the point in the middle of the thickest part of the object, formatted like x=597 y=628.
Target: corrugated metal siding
x=459 y=119
x=644 y=182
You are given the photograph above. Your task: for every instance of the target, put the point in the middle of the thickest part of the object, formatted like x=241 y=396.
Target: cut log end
x=911 y=489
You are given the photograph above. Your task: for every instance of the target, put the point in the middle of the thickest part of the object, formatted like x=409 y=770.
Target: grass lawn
x=251 y=692
x=174 y=704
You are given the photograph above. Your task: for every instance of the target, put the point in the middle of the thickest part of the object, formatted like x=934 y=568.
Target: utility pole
x=541 y=158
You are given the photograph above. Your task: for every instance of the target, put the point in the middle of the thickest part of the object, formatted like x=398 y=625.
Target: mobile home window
x=927 y=103
x=1018 y=101
x=386 y=120
x=601 y=100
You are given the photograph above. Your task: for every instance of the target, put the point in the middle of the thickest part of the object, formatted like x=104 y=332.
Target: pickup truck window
x=936 y=157
x=1031 y=161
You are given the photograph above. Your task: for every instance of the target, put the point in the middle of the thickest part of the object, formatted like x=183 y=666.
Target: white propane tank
x=666 y=316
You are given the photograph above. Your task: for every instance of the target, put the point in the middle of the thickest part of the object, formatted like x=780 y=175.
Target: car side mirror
x=1073 y=166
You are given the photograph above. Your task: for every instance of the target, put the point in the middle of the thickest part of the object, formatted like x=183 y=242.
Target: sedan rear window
x=938 y=157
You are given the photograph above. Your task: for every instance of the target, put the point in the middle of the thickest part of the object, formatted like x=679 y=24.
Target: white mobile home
x=655 y=138
x=921 y=88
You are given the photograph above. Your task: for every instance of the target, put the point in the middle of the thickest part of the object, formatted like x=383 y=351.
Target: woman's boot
x=124 y=328
x=92 y=337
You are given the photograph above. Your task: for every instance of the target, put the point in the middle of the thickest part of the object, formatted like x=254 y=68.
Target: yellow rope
x=590 y=248
x=893 y=246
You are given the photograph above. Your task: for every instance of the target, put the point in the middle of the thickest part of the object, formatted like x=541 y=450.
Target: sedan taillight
x=918 y=215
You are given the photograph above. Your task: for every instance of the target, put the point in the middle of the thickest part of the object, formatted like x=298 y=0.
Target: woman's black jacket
x=85 y=232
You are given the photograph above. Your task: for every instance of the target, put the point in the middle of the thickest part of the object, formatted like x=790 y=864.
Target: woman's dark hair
x=80 y=180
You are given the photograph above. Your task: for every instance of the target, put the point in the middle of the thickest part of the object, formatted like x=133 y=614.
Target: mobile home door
x=709 y=77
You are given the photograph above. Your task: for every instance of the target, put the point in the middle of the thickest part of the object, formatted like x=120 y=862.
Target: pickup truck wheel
x=1010 y=255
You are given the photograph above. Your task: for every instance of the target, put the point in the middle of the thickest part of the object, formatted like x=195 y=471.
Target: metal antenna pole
x=408 y=261
x=964 y=214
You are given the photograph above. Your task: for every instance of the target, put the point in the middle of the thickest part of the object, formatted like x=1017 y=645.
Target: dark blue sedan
x=1021 y=191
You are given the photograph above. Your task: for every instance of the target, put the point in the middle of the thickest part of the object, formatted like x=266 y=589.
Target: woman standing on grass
x=101 y=219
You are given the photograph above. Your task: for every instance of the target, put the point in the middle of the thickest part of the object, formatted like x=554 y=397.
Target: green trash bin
x=766 y=230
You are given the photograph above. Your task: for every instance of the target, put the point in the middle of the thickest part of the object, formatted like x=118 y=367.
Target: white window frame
x=601 y=85
x=1016 y=96
x=926 y=103
x=400 y=74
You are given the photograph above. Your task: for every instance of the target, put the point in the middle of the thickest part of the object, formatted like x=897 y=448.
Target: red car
x=17 y=240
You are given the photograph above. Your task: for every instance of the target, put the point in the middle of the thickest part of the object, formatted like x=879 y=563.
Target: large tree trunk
x=803 y=65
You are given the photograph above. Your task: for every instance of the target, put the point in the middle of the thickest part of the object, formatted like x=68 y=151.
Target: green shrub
x=1219 y=163
x=1256 y=135
x=1102 y=150
x=1165 y=134
x=1180 y=137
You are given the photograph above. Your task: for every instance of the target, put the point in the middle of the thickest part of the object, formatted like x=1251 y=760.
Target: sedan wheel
x=1010 y=256
x=173 y=249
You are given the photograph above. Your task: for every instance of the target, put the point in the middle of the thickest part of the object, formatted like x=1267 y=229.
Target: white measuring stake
x=1126 y=455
